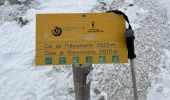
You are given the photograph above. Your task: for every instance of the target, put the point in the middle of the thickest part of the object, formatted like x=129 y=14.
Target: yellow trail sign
x=80 y=38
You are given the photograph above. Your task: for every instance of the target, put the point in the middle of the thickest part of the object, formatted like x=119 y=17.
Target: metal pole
x=80 y=72
x=133 y=79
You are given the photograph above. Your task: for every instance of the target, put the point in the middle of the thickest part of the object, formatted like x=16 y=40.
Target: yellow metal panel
x=80 y=38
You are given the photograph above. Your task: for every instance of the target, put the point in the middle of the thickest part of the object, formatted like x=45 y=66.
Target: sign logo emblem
x=62 y=60
x=56 y=31
x=92 y=24
x=102 y=59
x=115 y=59
x=93 y=28
x=89 y=59
x=48 y=60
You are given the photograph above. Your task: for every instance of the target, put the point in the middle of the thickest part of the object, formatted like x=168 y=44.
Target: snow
x=135 y=15
x=18 y=77
x=165 y=4
x=20 y=80
x=160 y=87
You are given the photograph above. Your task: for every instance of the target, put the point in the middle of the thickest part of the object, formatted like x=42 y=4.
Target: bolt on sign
x=88 y=38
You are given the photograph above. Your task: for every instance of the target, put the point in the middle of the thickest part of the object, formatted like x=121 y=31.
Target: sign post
x=80 y=72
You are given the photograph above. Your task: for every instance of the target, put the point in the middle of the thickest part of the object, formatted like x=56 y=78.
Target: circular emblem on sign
x=56 y=31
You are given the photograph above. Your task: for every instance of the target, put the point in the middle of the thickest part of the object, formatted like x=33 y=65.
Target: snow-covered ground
x=165 y=4
x=20 y=80
x=160 y=87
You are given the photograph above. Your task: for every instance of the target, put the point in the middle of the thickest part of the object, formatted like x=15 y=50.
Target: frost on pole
x=88 y=38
